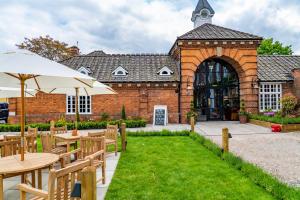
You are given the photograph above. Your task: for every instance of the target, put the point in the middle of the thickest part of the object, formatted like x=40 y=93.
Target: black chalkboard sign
x=160 y=117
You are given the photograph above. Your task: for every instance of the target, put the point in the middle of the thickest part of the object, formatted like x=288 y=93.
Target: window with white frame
x=270 y=96
x=84 y=104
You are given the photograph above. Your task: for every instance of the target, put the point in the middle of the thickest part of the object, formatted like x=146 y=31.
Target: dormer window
x=120 y=71
x=165 y=71
x=84 y=70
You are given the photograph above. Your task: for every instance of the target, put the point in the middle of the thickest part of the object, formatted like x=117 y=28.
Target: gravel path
x=279 y=154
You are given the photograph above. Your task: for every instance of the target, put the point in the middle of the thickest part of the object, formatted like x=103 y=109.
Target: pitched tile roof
x=140 y=67
x=277 y=67
x=214 y=32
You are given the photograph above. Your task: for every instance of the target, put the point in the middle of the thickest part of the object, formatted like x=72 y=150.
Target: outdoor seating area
x=78 y=155
x=67 y=165
x=126 y=100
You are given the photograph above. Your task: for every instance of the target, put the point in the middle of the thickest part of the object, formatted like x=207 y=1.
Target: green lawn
x=177 y=168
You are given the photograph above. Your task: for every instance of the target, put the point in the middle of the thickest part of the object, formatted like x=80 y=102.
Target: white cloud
x=139 y=25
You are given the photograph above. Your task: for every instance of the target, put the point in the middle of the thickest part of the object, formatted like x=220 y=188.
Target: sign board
x=160 y=116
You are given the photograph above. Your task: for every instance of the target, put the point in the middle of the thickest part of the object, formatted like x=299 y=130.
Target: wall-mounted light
x=189 y=87
x=254 y=83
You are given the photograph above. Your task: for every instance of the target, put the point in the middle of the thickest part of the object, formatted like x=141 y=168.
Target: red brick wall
x=243 y=60
x=138 y=102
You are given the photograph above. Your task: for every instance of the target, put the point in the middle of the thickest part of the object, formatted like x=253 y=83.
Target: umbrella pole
x=22 y=116
x=76 y=108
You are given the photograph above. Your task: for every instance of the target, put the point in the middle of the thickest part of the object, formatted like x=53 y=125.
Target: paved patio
x=11 y=192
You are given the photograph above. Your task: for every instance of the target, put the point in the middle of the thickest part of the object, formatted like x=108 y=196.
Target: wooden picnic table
x=32 y=162
x=69 y=139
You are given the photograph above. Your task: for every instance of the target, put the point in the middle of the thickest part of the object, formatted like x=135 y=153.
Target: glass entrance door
x=216 y=95
x=215 y=104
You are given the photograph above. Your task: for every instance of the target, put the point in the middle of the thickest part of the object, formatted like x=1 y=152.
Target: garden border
x=284 y=127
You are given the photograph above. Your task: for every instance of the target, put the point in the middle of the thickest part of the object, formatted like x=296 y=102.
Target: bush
x=71 y=126
x=243 y=108
x=276 y=119
x=289 y=104
x=104 y=116
x=158 y=133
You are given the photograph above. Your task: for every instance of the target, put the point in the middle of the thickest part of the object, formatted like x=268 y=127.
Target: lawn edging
x=260 y=177
x=257 y=175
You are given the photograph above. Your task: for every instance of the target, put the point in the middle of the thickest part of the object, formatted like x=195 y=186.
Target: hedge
x=276 y=120
x=157 y=133
x=81 y=125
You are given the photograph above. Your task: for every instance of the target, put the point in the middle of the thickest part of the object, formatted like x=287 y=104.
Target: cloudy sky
x=135 y=26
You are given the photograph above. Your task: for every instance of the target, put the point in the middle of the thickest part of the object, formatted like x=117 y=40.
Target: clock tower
x=202 y=14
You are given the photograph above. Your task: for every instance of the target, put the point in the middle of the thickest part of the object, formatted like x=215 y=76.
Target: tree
x=123 y=113
x=269 y=47
x=47 y=47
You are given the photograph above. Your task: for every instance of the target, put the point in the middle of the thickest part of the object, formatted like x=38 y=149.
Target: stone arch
x=244 y=61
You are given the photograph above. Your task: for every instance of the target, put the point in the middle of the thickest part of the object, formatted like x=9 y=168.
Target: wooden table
x=69 y=139
x=32 y=162
x=1 y=138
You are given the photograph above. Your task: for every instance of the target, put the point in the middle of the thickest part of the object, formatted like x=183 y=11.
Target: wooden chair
x=90 y=147
x=111 y=137
x=30 y=142
x=34 y=133
x=48 y=145
x=61 y=183
x=12 y=146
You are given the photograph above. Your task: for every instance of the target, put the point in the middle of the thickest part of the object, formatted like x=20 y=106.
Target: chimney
x=74 y=50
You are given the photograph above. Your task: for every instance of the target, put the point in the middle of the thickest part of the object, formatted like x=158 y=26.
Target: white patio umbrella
x=97 y=89
x=6 y=92
x=20 y=68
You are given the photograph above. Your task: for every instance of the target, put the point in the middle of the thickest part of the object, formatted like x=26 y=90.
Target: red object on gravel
x=276 y=128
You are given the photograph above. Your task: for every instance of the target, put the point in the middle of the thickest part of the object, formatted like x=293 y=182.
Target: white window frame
x=84 y=70
x=266 y=94
x=165 y=69
x=120 y=71
x=73 y=113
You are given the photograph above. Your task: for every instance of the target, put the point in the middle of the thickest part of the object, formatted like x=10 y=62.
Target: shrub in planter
x=192 y=112
x=243 y=115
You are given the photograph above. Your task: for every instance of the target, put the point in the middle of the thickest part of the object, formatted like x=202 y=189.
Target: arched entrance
x=216 y=91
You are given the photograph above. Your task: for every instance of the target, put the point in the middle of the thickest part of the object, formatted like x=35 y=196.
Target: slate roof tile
x=213 y=32
x=277 y=67
x=140 y=67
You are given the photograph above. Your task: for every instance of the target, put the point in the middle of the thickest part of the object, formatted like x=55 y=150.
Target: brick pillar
x=143 y=106
x=296 y=75
x=187 y=93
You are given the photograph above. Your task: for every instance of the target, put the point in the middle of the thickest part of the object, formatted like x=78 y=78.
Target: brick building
x=213 y=66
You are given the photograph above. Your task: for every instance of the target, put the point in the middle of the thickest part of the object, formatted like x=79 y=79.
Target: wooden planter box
x=284 y=128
